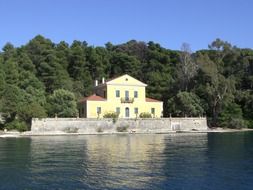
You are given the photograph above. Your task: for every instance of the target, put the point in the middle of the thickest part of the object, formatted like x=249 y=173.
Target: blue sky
x=168 y=22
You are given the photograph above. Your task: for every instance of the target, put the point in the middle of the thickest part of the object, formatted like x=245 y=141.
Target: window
x=118 y=110
x=135 y=94
x=117 y=93
x=153 y=111
x=127 y=113
x=136 y=110
x=127 y=95
x=98 y=110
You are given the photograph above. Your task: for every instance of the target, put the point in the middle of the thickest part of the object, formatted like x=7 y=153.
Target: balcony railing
x=127 y=100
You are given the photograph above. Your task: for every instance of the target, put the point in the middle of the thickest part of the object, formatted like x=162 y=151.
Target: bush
x=17 y=125
x=112 y=115
x=232 y=117
x=145 y=115
x=99 y=130
x=122 y=128
x=249 y=124
x=236 y=123
x=71 y=130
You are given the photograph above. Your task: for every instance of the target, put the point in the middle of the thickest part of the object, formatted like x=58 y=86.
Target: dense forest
x=42 y=79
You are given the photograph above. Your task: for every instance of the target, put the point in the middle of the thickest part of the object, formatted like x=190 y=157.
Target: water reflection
x=116 y=161
x=98 y=161
x=125 y=160
x=179 y=161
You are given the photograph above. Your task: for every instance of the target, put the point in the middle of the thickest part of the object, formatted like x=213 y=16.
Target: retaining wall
x=95 y=126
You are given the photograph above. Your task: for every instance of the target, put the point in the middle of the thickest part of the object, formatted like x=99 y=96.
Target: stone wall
x=95 y=126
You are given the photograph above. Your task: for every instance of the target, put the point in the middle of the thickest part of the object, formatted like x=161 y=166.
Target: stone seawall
x=98 y=126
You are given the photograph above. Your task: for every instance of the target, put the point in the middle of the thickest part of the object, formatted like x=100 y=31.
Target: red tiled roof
x=152 y=100
x=93 y=97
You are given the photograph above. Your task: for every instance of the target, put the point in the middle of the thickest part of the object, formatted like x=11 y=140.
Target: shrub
x=122 y=128
x=236 y=123
x=99 y=130
x=112 y=115
x=250 y=124
x=232 y=117
x=71 y=130
x=17 y=125
x=145 y=115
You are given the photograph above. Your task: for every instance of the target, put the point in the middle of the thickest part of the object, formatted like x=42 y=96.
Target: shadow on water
x=185 y=161
x=15 y=158
x=214 y=161
x=164 y=161
x=230 y=160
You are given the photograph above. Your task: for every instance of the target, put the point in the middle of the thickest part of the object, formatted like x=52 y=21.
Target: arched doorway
x=127 y=112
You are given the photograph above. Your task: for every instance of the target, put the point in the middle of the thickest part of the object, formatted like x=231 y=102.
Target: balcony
x=127 y=100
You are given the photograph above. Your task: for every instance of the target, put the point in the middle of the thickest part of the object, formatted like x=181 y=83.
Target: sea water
x=216 y=161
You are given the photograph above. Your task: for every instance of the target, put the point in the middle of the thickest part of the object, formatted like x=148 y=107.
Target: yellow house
x=124 y=95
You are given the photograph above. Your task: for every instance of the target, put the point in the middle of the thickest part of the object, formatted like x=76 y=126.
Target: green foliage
x=232 y=117
x=62 y=103
x=10 y=68
x=112 y=115
x=53 y=75
x=145 y=115
x=122 y=63
x=33 y=110
x=209 y=82
x=214 y=88
x=99 y=130
x=2 y=81
x=25 y=62
x=185 y=104
x=17 y=125
x=10 y=101
x=122 y=128
x=249 y=123
x=71 y=130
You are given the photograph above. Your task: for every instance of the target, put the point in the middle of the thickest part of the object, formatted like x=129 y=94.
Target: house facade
x=124 y=95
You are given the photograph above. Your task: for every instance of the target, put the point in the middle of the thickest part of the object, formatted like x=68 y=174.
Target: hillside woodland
x=45 y=79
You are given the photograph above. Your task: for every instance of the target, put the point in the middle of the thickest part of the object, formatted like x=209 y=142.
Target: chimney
x=103 y=80
x=96 y=82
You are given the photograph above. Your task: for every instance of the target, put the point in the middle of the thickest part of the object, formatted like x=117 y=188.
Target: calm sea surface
x=180 y=161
